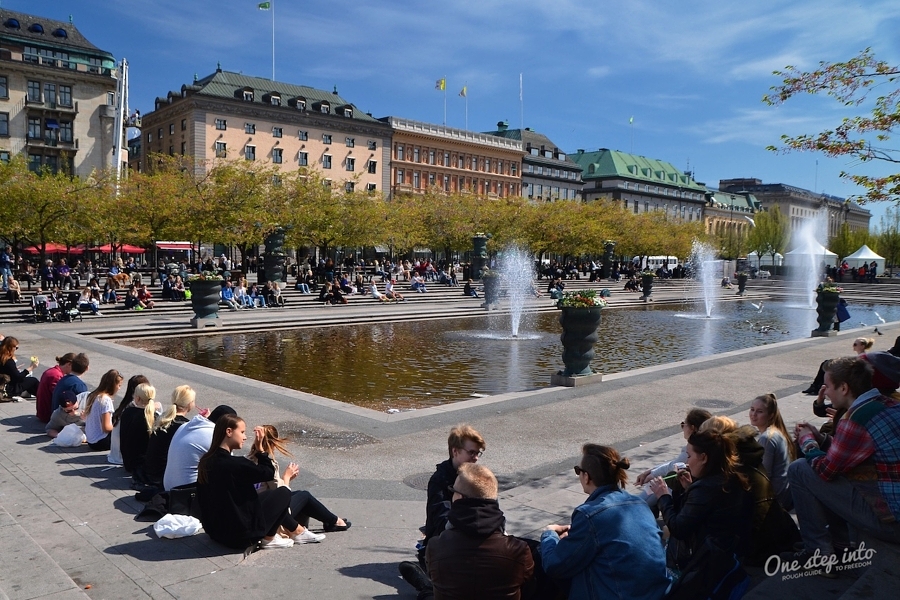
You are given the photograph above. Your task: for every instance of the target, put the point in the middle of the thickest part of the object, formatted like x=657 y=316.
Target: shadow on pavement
x=154 y=549
x=384 y=573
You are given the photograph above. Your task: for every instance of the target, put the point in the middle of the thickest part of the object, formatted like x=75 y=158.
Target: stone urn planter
x=826 y=307
x=579 y=335
x=647 y=286
x=742 y=284
x=491 y=281
x=205 y=296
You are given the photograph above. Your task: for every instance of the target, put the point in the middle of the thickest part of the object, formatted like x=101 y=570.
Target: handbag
x=183 y=500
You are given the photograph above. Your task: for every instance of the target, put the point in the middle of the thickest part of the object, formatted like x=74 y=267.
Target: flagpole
x=273 y=40
x=466 y=87
x=445 y=100
x=521 y=103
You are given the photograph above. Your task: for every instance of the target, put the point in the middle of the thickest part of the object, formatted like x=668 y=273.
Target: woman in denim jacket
x=613 y=548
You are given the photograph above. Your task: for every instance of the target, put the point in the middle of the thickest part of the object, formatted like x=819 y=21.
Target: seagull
x=878 y=332
x=861 y=324
x=880 y=318
x=758 y=307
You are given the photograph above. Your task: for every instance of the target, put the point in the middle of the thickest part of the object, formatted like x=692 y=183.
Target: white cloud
x=599 y=72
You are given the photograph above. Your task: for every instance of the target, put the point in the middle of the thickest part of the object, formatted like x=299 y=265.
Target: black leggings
x=275 y=504
x=303 y=506
x=101 y=445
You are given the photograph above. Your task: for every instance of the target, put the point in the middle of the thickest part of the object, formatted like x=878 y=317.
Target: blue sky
x=691 y=73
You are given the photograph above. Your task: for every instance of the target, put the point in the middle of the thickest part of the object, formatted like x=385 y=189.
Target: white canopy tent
x=765 y=260
x=799 y=257
x=865 y=256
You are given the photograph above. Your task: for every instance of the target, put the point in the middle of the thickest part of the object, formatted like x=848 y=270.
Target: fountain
x=703 y=260
x=517 y=270
x=807 y=256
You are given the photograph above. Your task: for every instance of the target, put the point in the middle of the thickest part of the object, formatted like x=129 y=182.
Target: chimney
x=502 y=125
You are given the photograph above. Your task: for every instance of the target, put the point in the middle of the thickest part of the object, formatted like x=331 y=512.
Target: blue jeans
x=5 y=274
x=824 y=508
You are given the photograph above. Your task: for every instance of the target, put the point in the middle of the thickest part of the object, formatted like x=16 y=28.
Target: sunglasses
x=453 y=490
x=579 y=470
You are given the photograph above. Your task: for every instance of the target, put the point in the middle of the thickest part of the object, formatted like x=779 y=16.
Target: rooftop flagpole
x=521 y=103
x=270 y=6
x=465 y=94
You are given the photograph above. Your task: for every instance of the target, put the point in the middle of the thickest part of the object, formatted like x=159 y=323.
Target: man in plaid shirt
x=854 y=477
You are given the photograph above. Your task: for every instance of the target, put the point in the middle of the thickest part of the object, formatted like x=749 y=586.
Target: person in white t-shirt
x=190 y=442
x=98 y=410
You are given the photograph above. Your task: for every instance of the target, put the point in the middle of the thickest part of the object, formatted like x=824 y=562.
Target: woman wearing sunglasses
x=612 y=548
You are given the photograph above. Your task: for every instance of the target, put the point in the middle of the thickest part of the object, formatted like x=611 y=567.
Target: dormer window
x=324 y=108
x=275 y=100
x=248 y=96
x=11 y=24
x=299 y=103
x=348 y=112
x=36 y=28
x=60 y=33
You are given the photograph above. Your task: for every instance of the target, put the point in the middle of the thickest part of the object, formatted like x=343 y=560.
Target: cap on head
x=220 y=411
x=886 y=370
x=67 y=397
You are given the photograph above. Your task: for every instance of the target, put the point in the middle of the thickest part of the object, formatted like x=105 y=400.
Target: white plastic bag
x=71 y=436
x=177 y=526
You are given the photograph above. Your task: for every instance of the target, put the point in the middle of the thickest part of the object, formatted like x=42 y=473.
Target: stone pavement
x=66 y=517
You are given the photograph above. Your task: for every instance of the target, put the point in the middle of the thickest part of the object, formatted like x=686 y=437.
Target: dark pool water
x=424 y=363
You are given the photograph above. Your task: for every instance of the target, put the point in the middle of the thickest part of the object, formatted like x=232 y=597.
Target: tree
x=861 y=137
x=887 y=237
x=775 y=230
x=848 y=241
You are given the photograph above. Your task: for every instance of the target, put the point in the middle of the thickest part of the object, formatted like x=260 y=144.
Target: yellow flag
x=464 y=91
x=441 y=84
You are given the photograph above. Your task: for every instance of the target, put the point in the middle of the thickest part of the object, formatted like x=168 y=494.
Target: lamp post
x=731 y=227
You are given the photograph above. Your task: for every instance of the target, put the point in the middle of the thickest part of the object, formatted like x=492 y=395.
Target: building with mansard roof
x=57 y=95
x=228 y=115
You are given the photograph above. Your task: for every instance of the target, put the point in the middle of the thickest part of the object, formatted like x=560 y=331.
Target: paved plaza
x=67 y=517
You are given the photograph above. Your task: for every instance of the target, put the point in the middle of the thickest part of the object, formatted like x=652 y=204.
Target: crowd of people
x=241 y=501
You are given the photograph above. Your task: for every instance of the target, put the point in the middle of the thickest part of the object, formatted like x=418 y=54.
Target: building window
x=34 y=163
x=4 y=124
x=446 y=159
x=249 y=127
x=326 y=161
x=351 y=164
x=372 y=167
x=149 y=137
x=34 y=91
x=220 y=149
x=326 y=138
x=220 y=124
x=446 y=183
x=110 y=98
x=303 y=135
x=303 y=159
x=514 y=169
x=184 y=124
x=275 y=100
x=417 y=179
x=159 y=134
x=4 y=87
x=370 y=187
x=399 y=152
x=431 y=157
x=277 y=132
x=34 y=129
x=460 y=162
x=248 y=96
x=487 y=165
x=416 y=154
x=349 y=186
x=250 y=152
x=171 y=150
x=400 y=177
x=4 y=158
x=474 y=163
x=183 y=148
x=50 y=94
x=373 y=145
x=171 y=128
x=351 y=143
x=430 y=179
x=65 y=95
x=65 y=132
x=276 y=155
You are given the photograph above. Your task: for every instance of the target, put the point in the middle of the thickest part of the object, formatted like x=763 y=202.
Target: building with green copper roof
x=640 y=184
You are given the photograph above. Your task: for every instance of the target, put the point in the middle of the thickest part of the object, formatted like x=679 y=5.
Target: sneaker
x=803 y=556
x=308 y=537
x=98 y=313
x=413 y=574
x=276 y=542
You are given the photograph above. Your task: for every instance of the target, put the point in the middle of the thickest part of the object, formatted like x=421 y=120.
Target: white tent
x=864 y=256
x=799 y=257
x=765 y=260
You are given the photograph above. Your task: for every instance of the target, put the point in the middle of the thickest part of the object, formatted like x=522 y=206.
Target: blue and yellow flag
x=464 y=92
x=441 y=84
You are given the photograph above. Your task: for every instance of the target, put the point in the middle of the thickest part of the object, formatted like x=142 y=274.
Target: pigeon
x=878 y=332
x=880 y=318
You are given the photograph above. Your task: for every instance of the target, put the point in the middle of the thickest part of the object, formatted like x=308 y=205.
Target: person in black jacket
x=233 y=513
x=21 y=383
x=135 y=427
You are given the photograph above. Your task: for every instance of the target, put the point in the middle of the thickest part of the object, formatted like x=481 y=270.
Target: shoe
x=413 y=574
x=802 y=556
x=98 y=313
x=276 y=542
x=335 y=527
x=811 y=391
x=307 y=537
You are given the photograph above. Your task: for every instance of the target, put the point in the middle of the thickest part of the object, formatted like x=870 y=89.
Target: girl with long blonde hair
x=135 y=427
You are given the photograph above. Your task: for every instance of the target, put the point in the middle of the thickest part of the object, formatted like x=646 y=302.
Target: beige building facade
x=428 y=156
x=229 y=116
x=57 y=96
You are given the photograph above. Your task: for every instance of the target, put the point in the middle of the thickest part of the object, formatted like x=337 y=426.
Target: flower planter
x=205 y=297
x=826 y=307
x=579 y=335
x=491 y=290
x=647 y=286
x=742 y=284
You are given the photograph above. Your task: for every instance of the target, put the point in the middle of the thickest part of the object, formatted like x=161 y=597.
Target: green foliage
x=886 y=241
x=772 y=232
x=862 y=137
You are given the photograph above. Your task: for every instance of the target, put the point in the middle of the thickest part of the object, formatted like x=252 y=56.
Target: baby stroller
x=40 y=311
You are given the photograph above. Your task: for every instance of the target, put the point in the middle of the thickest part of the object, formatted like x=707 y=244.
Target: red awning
x=124 y=249
x=174 y=245
x=55 y=249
